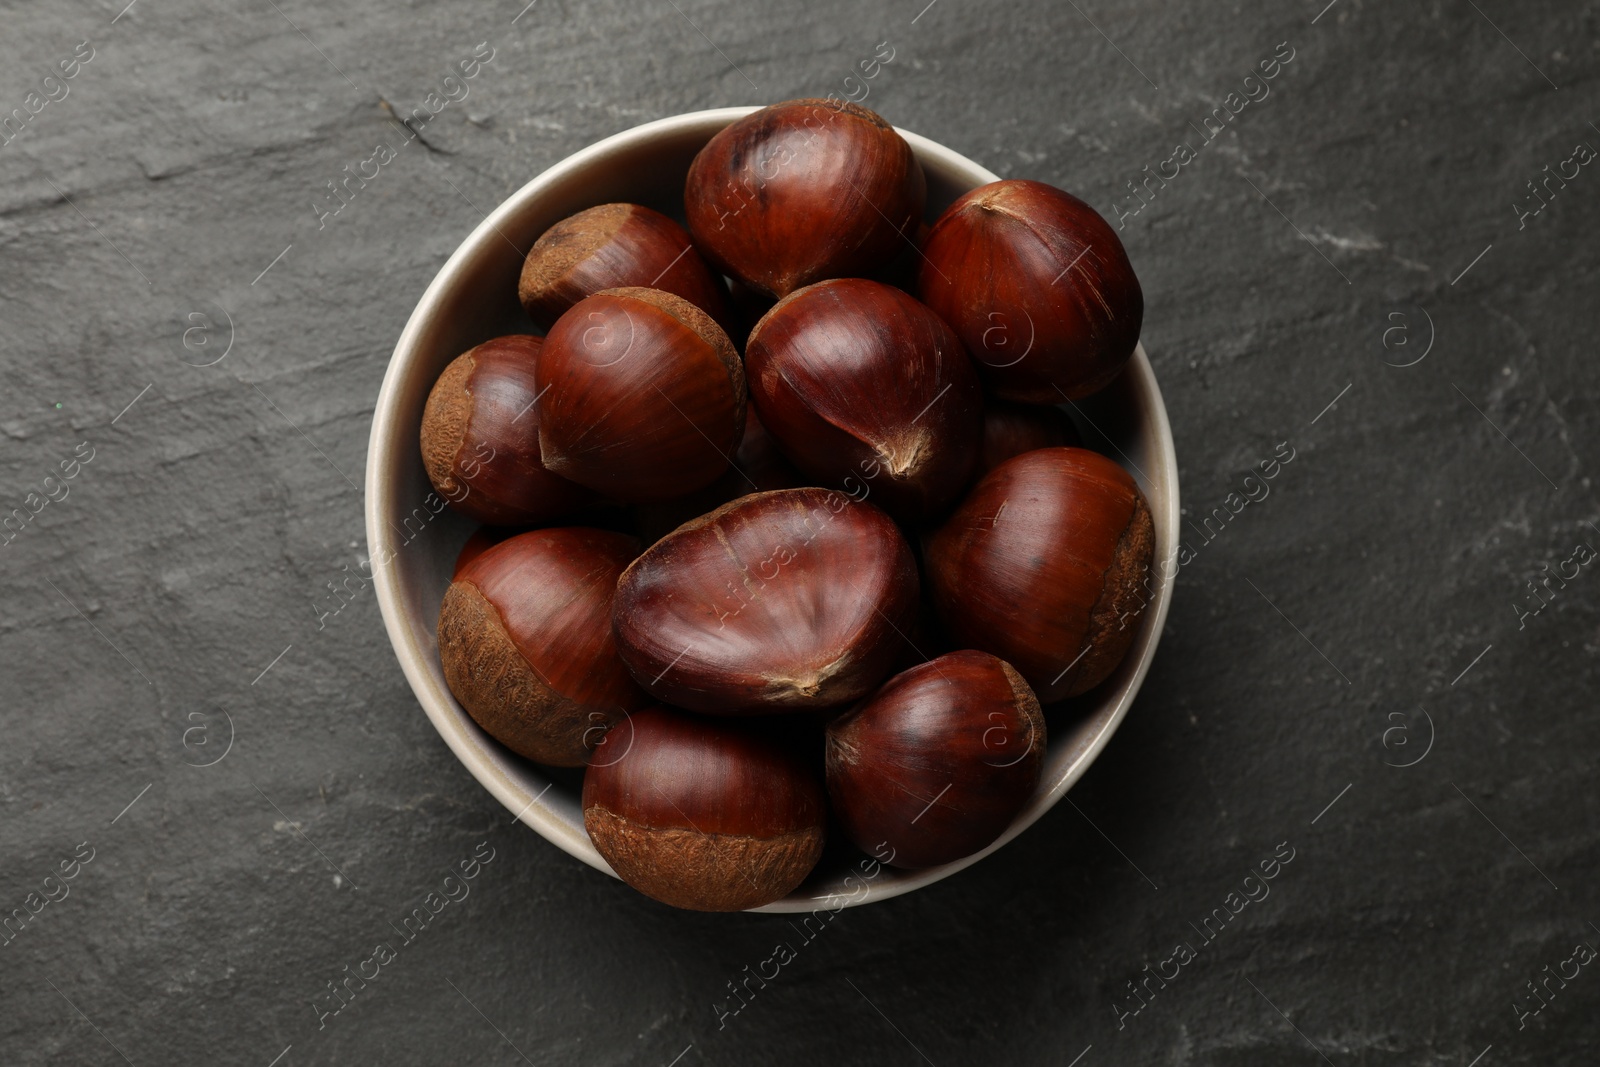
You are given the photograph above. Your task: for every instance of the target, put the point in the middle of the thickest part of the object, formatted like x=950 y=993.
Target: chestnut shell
x=938 y=762
x=614 y=246
x=480 y=444
x=702 y=814
x=801 y=191
x=526 y=643
x=644 y=395
x=1045 y=564
x=778 y=601
x=1038 y=287
x=868 y=390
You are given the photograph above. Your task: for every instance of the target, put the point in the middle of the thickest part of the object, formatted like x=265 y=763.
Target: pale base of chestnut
x=413 y=537
x=725 y=872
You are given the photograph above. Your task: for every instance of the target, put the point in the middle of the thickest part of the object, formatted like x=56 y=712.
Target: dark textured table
x=219 y=792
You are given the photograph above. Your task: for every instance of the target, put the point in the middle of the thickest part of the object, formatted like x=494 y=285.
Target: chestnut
x=644 y=395
x=801 y=191
x=526 y=643
x=1044 y=565
x=1012 y=429
x=777 y=601
x=869 y=390
x=939 y=761
x=613 y=246
x=480 y=438
x=700 y=814
x=1037 y=286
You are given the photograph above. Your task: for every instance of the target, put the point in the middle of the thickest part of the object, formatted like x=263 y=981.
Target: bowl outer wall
x=410 y=573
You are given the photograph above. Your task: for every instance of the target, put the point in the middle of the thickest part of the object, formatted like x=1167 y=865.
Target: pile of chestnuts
x=785 y=537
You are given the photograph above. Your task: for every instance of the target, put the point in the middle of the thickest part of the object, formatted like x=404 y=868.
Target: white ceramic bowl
x=414 y=545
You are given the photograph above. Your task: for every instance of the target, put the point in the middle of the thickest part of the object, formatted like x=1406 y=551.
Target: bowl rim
x=442 y=709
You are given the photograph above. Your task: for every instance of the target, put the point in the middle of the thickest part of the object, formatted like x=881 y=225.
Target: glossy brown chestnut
x=801 y=191
x=869 y=391
x=526 y=642
x=615 y=246
x=939 y=761
x=1037 y=286
x=775 y=602
x=644 y=395
x=1012 y=429
x=480 y=438
x=1044 y=564
x=700 y=814
x=758 y=466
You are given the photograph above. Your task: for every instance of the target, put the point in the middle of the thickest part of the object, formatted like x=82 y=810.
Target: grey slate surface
x=1379 y=581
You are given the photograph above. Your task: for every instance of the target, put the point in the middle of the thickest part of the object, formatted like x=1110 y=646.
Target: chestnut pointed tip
x=905 y=452
x=802 y=687
x=841 y=749
x=554 y=457
x=864 y=386
x=555 y=461
x=775 y=601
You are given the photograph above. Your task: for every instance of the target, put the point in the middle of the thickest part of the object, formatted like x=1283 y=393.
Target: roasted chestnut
x=1037 y=286
x=526 y=642
x=480 y=438
x=614 y=246
x=1012 y=429
x=801 y=191
x=796 y=598
x=1044 y=564
x=644 y=395
x=700 y=814
x=939 y=761
x=869 y=391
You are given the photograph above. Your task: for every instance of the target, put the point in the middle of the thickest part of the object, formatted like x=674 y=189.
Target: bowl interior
x=414 y=538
